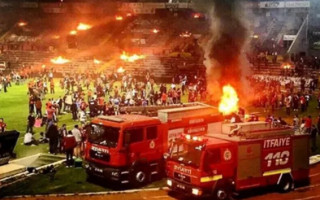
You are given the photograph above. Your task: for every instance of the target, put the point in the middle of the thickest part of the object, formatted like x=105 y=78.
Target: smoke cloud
x=224 y=47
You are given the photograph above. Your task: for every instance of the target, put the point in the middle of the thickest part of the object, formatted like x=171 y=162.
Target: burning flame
x=95 y=61
x=229 y=100
x=56 y=37
x=119 y=18
x=43 y=66
x=73 y=32
x=196 y=15
x=21 y=24
x=59 y=60
x=127 y=58
x=186 y=34
x=121 y=70
x=287 y=66
x=155 y=31
x=83 y=27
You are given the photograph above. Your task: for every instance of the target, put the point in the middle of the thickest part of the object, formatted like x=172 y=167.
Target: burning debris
x=59 y=60
x=83 y=27
x=127 y=58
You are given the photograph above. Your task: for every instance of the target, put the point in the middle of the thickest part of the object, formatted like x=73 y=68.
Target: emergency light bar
x=192 y=138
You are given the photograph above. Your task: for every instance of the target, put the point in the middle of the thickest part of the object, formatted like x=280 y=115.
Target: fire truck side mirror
x=166 y=156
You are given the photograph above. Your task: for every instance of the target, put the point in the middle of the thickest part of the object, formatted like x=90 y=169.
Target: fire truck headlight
x=196 y=192
x=169 y=182
x=116 y=174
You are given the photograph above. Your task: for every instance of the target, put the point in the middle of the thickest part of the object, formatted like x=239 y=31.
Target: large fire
x=83 y=27
x=59 y=60
x=229 y=100
x=127 y=58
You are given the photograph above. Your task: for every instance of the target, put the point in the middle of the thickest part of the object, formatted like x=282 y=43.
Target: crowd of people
x=88 y=96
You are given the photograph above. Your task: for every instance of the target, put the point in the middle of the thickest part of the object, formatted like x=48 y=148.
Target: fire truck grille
x=182 y=177
x=100 y=155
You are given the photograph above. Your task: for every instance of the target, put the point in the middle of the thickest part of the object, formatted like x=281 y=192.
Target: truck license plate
x=181 y=186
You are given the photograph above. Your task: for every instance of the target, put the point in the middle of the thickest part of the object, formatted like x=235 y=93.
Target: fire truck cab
x=116 y=141
x=131 y=148
x=236 y=157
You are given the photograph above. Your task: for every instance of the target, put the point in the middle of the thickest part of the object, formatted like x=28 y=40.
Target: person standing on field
x=78 y=137
x=69 y=143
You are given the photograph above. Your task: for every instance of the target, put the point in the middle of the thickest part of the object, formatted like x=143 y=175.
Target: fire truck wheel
x=139 y=176
x=221 y=193
x=286 y=183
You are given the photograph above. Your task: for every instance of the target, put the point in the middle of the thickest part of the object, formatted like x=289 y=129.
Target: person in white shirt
x=77 y=134
x=29 y=139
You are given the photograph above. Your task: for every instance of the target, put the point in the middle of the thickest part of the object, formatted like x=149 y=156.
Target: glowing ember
x=21 y=24
x=229 y=100
x=196 y=15
x=119 y=18
x=127 y=58
x=56 y=37
x=73 y=32
x=129 y=14
x=59 y=60
x=287 y=66
x=43 y=66
x=255 y=36
x=121 y=70
x=155 y=31
x=185 y=34
x=95 y=61
x=83 y=27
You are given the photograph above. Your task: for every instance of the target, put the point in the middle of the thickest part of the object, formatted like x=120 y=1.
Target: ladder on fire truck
x=152 y=111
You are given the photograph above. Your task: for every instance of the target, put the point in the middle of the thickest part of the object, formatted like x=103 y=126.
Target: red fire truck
x=130 y=148
x=236 y=157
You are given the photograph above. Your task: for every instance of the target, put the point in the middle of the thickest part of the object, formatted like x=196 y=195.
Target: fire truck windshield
x=104 y=135
x=187 y=153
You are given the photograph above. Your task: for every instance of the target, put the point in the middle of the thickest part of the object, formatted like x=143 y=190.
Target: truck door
x=144 y=143
x=219 y=162
x=136 y=143
x=154 y=144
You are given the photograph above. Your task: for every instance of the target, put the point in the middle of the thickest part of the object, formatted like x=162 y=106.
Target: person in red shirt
x=308 y=124
x=164 y=97
x=101 y=104
x=52 y=87
x=303 y=103
x=50 y=113
x=69 y=143
x=2 y=125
